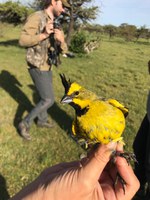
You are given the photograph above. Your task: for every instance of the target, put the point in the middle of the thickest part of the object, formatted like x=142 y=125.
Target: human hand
x=59 y=35
x=49 y=28
x=90 y=179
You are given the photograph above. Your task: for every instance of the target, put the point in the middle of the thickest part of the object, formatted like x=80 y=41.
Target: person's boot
x=24 y=130
x=47 y=124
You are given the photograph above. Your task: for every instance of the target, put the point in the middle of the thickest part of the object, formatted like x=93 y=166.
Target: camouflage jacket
x=37 y=51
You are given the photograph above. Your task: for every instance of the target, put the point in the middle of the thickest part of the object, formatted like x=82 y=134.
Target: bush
x=13 y=12
x=77 y=43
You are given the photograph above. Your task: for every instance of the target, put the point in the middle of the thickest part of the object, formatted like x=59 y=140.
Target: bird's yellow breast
x=101 y=123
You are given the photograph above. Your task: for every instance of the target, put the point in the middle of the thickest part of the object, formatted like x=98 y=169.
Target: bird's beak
x=66 y=99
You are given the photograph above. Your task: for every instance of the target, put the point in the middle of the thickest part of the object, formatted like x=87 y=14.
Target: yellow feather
x=74 y=87
x=102 y=123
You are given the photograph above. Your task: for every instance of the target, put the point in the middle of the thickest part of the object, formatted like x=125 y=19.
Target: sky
x=116 y=12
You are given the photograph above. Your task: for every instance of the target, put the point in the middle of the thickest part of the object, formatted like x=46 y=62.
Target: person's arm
x=29 y=34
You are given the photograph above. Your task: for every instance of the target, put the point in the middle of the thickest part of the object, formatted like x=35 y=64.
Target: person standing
x=141 y=147
x=35 y=37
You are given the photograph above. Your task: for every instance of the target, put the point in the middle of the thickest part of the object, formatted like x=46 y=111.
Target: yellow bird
x=97 y=120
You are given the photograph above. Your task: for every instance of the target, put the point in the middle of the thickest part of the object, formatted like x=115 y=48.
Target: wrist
x=43 y=36
x=62 y=41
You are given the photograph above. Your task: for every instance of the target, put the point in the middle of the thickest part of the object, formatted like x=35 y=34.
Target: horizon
x=125 y=11
x=116 y=12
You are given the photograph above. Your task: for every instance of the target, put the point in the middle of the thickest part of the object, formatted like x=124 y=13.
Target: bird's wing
x=118 y=105
x=74 y=128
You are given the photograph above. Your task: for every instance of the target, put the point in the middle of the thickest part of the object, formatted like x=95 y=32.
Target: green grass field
x=117 y=69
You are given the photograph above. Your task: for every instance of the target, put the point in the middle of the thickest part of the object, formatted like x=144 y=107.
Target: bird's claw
x=121 y=180
x=127 y=155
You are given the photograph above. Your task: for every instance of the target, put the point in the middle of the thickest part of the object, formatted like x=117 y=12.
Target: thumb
x=93 y=168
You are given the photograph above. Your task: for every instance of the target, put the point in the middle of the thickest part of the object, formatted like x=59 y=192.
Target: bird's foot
x=127 y=155
x=83 y=143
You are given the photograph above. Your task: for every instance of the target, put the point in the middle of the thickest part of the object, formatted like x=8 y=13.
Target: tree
x=77 y=14
x=139 y=32
x=111 y=30
x=93 y=28
x=13 y=12
x=147 y=34
x=80 y=14
x=142 y=32
x=127 y=31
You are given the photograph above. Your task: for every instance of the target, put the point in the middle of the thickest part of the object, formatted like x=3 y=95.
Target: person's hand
x=90 y=179
x=49 y=28
x=59 y=35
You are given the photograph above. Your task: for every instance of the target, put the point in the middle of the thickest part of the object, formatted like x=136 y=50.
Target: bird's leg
x=87 y=144
x=82 y=142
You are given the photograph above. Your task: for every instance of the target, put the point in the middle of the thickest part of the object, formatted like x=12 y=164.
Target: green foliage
x=127 y=31
x=86 y=14
x=142 y=32
x=111 y=30
x=79 y=14
x=77 y=42
x=94 y=28
x=117 y=69
x=13 y=12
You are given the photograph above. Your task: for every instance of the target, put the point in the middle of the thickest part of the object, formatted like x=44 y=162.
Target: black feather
x=66 y=83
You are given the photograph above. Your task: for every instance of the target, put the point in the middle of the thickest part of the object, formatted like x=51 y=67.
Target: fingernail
x=111 y=145
x=120 y=146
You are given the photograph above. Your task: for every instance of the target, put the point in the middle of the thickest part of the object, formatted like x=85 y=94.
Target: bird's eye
x=76 y=93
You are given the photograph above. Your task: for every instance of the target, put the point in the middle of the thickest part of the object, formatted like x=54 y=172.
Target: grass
x=117 y=69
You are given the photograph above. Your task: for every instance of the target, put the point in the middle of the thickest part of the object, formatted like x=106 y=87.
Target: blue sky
x=116 y=12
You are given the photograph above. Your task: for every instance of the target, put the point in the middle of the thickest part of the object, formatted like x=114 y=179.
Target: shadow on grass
x=10 y=43
x=57 y=114
x=61 y=117
x=4 y=195
x=12 y=86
